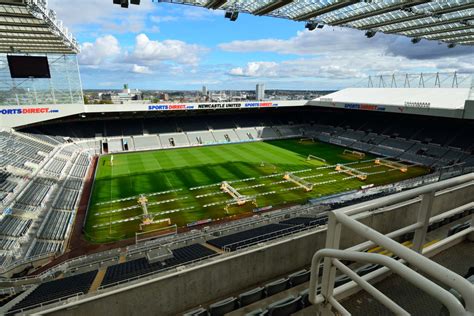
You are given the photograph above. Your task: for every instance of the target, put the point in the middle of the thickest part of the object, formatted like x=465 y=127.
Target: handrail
x=347 y=217
x=449 y=300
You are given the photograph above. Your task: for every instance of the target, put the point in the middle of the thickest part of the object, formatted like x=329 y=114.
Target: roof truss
x=413 y=18
x=28 y=26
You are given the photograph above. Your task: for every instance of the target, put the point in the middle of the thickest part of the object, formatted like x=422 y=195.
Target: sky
x=164 y=46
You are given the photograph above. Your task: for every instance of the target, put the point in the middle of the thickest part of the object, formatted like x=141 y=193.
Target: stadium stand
x=134 y=268
x=246 y=238
x=44 y=175
x=61 y=288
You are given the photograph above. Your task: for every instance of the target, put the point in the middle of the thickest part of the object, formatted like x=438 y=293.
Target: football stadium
x=358 y=202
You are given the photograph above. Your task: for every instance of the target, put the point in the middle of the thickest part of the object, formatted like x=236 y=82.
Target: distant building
x=204 y=91
x=260 y=91
x=126 y=96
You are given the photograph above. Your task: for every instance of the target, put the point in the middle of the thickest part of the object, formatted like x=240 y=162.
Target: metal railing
x=326 y=301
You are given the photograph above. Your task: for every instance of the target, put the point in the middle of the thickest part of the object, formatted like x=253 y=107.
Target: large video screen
x=28 y=67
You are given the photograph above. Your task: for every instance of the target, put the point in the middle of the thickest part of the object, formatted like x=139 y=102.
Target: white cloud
x=141 y=69
x=152 y=52
x=100 y=51
x=345 y=54
x=256 y=69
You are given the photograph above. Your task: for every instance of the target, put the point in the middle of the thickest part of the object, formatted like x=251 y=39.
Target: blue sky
x=166 y=46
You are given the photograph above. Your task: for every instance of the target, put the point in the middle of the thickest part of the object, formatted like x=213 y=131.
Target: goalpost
x=391 y=164
x=306 y=140
x=352 y=172
x=359 y=154
x=310 y=157
x=156 y=233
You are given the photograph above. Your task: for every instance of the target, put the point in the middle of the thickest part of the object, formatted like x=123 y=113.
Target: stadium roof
x=450 y=21
x=28 y=26
x=437 y=98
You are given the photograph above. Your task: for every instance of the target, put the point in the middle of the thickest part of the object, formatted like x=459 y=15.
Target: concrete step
x=98 y=280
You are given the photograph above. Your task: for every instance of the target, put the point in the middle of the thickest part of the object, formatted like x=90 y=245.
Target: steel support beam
x=447 y=30
x=429 y=24
x=215 y=4
x=324 y=10
x=415 y=16
x=387 y=9
x=272 y=7
x=452 y=36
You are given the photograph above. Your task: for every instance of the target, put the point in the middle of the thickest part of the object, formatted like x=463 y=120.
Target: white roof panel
x=32 y=21
x=416 y=19
x=434 y=98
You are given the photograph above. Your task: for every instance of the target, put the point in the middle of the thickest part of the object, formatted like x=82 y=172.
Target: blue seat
x=276 y=286
x=299 y=277
x=285 y=307
x=223 y=307
x=251 y=296
x=197 y=312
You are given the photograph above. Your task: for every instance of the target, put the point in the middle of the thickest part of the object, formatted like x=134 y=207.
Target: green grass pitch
x=183 y=185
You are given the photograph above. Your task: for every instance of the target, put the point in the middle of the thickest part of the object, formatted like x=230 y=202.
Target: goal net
x=354 y=153
x=306 y=140
x=313 y=157
x=150 y=234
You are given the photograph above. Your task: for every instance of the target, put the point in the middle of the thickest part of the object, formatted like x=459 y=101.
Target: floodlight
x=451 y=45
x=311 y=26
x=370 y=34
x=231 y=15
x=234 y=16
x=415 y=40
x=125 y=3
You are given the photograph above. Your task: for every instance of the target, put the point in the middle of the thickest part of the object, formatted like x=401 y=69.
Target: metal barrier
x=345 y=217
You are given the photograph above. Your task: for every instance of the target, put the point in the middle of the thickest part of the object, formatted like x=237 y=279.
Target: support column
x=333 y=239
x=424 y=214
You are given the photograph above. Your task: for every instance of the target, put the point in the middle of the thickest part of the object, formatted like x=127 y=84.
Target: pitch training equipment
x=391 y=164
x=352 y=172
x=308 y=186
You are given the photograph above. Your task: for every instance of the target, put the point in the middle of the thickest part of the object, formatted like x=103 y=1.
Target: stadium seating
x=57 y=289
x=42 y=247
x=225 y=136
x=134 y=268
x=56 y=225
x=146 y=142
x=14 y=226
x=249 y=237
x=53 y=166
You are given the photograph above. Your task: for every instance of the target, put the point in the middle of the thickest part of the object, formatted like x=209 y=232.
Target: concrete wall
x=220 y=278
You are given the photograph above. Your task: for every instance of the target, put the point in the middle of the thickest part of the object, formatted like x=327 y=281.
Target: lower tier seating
x=130 y=269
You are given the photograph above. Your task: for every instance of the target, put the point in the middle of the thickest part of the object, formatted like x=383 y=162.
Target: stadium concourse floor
x=182 y=186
